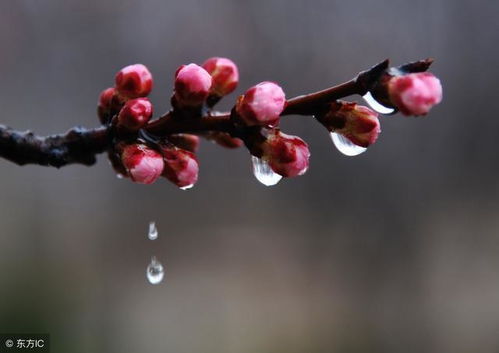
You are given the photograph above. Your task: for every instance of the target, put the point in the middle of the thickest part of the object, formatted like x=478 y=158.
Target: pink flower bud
x=287 y=155
x=135 y=114
x=356 y=122
x=143 y=164
x=109 y=103
x=224 y=73
x=106 y=98
x=134 y=81
x=416 y=93
x=261 y=104
x=192 y=85
x=185 y=141
x=181 y=166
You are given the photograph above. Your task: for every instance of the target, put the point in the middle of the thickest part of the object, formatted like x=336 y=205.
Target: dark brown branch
x=167 y=124
x=80 y=145
x=311 y=103
x=308 y=104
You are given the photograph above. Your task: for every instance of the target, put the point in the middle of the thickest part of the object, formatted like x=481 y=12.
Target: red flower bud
x=135 y=114
x=224 y=73
x=109 y=103
x=356 y=122
x=134 y=81
x=261 y=104
x=181 y=167
x=143 y=164
x=192 y=85
x=287 y=155
x=416 y=93
x=106 y=98
x=185 y=141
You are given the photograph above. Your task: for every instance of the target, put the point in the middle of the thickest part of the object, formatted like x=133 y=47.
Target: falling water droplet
x=263 y=173
x=153 y=231
x=345 y=146
x=375 y=105
x=155 y=271
x=187 y=187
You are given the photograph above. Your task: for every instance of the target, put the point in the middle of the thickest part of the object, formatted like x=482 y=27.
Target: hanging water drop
x=187 y=187
x=263 y=173
x=153 y=231
x=155 y=271
x=375 y=105
x=345 y=146
x=119 y=176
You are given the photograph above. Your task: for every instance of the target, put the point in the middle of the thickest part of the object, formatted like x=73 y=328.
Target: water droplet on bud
x=345 y=146
x=153 y=231
x=187 y=187
x=155 y=271
x=263 y=173
x=119 y=176
x=375 y=105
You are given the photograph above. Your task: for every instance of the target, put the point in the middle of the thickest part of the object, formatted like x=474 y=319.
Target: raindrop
x=153 y=231
x=263 y=173
x=375 y=105
x=187 y=187
x=155 y=271
x=345 y=146
x=119 y=176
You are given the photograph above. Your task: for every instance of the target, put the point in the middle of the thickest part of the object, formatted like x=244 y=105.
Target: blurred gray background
x=396 y=250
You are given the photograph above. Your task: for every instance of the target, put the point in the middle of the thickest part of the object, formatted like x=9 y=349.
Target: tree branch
x=80 y=145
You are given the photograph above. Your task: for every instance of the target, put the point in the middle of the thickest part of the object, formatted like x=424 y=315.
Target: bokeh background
x=396 y=250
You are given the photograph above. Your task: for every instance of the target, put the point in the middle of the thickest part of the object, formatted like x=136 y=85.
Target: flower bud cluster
x=133 y=81
x=261 y=106
x=144 y=165
x=196 y=85
x=145 y=162
x=144 y=157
